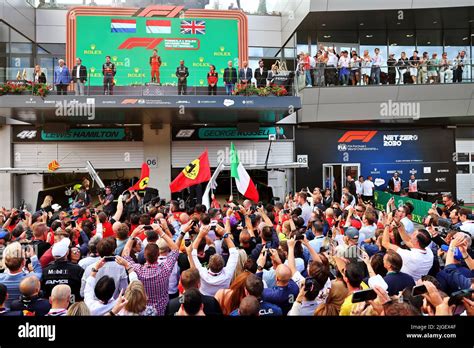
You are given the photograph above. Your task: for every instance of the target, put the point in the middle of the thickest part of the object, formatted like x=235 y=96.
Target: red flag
x=196 y=172
x=144 y=178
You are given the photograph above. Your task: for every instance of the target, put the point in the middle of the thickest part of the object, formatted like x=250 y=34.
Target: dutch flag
x=123 y=26
x=158 y=27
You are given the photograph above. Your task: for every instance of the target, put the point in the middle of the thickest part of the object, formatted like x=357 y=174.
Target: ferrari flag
x=196 y=172
x=144 y=178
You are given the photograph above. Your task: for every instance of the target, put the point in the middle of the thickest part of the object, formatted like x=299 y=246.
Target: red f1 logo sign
x=147 y=42
x=364 y=136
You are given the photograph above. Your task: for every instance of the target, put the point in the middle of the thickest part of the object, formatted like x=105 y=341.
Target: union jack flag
x=193 y=27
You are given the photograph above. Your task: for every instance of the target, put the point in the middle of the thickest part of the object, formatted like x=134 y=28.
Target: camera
x=308 y=284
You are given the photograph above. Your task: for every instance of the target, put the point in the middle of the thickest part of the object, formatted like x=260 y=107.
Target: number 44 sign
x=152 y=162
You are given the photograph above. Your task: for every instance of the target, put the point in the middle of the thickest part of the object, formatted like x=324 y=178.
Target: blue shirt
x=398 y=281
x=266 y=309
x=12 y=281
x=454 y=278
x=316 y=243
x=282 y=296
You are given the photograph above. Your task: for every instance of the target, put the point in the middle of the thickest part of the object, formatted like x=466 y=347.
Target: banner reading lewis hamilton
x=426 y=152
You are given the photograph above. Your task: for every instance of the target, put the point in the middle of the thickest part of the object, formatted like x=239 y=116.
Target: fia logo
x=342 y=147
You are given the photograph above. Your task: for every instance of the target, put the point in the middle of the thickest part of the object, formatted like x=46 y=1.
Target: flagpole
x=231 y=183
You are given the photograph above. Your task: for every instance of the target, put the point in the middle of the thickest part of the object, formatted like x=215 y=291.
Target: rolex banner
x=196 y=172
x=130 y=41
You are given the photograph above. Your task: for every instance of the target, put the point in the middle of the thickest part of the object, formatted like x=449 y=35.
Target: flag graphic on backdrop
x=158 y=27
x=243 y=181
x=193 y=27
x=196 y=172
x=123 y=26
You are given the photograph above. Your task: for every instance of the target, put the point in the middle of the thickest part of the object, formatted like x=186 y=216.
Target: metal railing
x=136 y=82
x=328 y=76
x=251 y=7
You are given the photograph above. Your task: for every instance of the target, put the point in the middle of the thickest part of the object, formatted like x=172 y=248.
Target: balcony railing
x=329 y=76
x=139 y=82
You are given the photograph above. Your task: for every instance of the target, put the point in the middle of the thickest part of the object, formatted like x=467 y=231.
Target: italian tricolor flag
x=244 y=183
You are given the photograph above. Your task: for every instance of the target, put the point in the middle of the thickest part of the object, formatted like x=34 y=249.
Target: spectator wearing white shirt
x=219 y=275
x=376 y=65
x=466 y=224
x=368 y=190
x=330 y=74
x=418 y=259
x=316 y=287
x=93 y=256
x=343 y=65
x=359 y=189
x=99 y=294
x=306 y=210
x=174 y=277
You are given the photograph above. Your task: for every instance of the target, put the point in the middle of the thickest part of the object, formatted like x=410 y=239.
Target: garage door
x=249 y=152
x=103 y=155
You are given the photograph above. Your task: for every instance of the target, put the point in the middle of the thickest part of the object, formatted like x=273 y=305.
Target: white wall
x=157 y=143
x=6 y=193
x=264 y=31
x=19 y=15
x=51 y=26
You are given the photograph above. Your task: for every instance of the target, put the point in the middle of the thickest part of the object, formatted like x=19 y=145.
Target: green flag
x=234 y=162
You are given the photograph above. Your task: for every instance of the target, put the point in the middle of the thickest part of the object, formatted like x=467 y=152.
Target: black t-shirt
x=415 y=61
x=62 y=272
x=211 y=306
x=41 y=247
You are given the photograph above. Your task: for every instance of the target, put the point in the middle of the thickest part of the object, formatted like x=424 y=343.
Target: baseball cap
x=3 y=233
x=56 y=207
x=61 y=248
x=352 y=233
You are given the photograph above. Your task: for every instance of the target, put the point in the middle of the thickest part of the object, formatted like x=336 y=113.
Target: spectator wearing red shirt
x=212 y=79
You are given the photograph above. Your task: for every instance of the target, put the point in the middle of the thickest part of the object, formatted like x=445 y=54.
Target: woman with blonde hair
x=46 y=206
x=78 y=309
x=136 y=301
x=337 y=295
x=38 y=75
x=229 y=299
x=240 y=264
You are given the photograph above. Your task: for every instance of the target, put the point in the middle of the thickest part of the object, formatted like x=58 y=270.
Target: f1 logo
x=364 y=136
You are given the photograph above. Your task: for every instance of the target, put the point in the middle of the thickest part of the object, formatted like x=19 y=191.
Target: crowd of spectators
x=309 y=255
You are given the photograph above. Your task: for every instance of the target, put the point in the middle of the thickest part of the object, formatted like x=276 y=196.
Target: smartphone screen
x=419 y=290
x=364 y=295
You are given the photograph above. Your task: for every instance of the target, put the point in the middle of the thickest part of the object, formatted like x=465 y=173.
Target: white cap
x=56 y=207
x=61 y=248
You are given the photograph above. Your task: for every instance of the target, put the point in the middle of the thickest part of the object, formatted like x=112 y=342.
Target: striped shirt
x=155 y=279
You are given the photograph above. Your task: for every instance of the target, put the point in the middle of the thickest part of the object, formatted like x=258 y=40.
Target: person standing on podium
x=155 y=63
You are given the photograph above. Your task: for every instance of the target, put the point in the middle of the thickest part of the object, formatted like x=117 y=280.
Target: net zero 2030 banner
x=130 y=41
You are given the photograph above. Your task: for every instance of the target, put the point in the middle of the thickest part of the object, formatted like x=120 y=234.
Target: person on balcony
x=459 y=62
x=62 y=77
x=433 y=66
x=445 y=70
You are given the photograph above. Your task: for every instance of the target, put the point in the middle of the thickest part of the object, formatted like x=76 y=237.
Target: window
x=401 y=41
x=462 y=168
x=462 y=157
